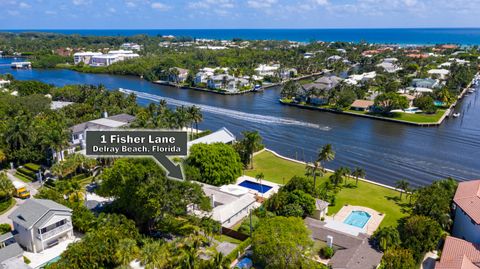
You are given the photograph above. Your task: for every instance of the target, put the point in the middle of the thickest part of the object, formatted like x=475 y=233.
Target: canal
x=387 y=151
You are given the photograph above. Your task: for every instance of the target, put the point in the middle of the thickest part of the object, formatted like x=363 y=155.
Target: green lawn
x=224 y=238
x=415 y=118
x=6 y=205
x=382 y=199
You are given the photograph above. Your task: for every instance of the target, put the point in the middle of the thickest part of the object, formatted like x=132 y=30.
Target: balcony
x=58 y=230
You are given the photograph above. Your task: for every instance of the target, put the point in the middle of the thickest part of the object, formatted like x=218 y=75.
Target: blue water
x=464 y=36
x=255 y=186
x=357 y=219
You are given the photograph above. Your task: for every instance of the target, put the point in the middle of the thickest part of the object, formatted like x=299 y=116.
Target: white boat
x=471 y=90
x=456 y=115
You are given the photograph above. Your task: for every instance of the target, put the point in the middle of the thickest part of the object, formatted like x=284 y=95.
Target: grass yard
x=382 y=199
x=6 y=205
x=415 y=118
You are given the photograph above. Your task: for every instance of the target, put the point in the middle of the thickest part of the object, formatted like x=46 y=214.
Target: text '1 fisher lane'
x=129 y=143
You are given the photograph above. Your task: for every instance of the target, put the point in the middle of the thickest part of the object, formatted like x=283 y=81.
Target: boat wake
x=226 y=112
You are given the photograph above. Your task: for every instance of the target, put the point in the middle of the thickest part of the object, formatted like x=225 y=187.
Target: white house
x=221 y=136
x=131 y=46
x=4 y=83
x=441 y=73
x=112 y=57
x=467 y=211
x=267 y=70
x=10 y=252
x=85 y=57
x=230 y=203
x=40 y=224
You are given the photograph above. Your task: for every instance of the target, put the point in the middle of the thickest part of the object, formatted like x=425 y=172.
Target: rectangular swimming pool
x=357 y=219
x=255 y=186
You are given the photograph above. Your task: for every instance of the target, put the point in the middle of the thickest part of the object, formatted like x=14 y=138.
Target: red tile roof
x=362 y=103
x=459 y=254
x=467 y=198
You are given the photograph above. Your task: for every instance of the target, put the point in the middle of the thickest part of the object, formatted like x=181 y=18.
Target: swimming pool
x=357 y=219
x=255 y=186
x=439 y=103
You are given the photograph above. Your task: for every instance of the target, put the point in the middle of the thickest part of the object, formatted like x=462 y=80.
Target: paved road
x=31 y=186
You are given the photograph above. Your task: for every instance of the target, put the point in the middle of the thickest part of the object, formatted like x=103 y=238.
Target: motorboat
x=471 y=90
x=456 y=115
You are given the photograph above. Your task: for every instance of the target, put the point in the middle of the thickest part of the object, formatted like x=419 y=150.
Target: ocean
x=413 y=36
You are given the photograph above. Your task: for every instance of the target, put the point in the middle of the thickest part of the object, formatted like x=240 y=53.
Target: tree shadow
x=404 y=203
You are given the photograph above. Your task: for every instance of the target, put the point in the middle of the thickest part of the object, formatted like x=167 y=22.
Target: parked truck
x=21 y=190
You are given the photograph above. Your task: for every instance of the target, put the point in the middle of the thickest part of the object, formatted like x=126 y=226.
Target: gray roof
x=10 y=251
x=320 y=204
x=356 y=252
x=34 y=210
x=80 y=128
x=4 y=237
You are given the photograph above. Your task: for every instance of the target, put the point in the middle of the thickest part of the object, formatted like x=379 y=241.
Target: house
x=321 y=209
x=424 y=83
x=131 y=46
x=459 y=254
x=226 y=82
x=10 y=252
x=324 y=83
x=267 y=70
x=410 y=98
x=389 y=65
x=116 y=121
x=230 y=203
x=361 y=105
x=179 y=76
x=4 y=83
x=441 y=73
x=221 y=136
x=355 y=79
x=40 y=224
x=78 y=136
x=352 y=252
x=467 y=211
x=112 y=57
x=85 y=57
x=288 y=73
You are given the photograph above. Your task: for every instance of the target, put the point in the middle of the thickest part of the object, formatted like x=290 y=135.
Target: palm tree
x=252 y=141
x=402 y=186
x=155 y=255
x=337 y=177
x=312 y=169
x=17 y=132
x=195 y=115
x=326 y=154
x=358 y=173
x=259 y=178
x=127 y=251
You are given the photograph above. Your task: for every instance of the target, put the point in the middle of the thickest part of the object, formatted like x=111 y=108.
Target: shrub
x=326 y=252
x=27 y=172
x=5 y=228
x=32 y=167
x=26 y=260
x=233 y=255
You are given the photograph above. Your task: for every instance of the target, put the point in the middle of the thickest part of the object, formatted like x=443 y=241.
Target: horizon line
x=266 y=28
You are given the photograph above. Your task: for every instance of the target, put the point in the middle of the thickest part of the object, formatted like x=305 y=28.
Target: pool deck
x=372 y=224
x=39 y=259
x=274 y=189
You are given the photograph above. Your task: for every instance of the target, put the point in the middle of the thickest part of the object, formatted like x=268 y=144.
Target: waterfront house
x=361 y=105
x=223 y=135
x=112 y=57
x=410 y=98
x=334 y=58
x=459 y=254
x=226 y=82
x=10 y=252
x=78 y=132
x=288 y=73
x=467 y=211
x=40 y=224
x=267 y=70
x=4 y=83
x=230 y=203
x=85 y=57
x=178 y=75
x=352 y=252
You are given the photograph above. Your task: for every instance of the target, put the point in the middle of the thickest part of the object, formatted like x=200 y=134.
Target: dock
x=21 y=65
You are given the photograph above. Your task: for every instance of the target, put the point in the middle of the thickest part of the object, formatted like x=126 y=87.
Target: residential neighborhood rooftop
x=467 y=198
x=459 y=254
x=33 y=210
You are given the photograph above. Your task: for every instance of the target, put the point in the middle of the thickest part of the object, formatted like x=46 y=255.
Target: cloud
x=81 y=2
x=321 y=2
x=130 y=4
x=261 y=3
x=160 y=6
x=24 y=5
x=206 y=4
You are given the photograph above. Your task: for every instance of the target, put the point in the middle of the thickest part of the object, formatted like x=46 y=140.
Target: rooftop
x=33 y=210
x=467 y=198
x=459 y=254
x=221 y=136
x=104 y=123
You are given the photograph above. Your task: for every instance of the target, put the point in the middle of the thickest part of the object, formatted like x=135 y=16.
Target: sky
x=198 y=14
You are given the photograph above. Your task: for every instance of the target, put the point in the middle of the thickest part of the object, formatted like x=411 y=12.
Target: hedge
x=27 y=173
x=32 y=167
x=233 y=255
